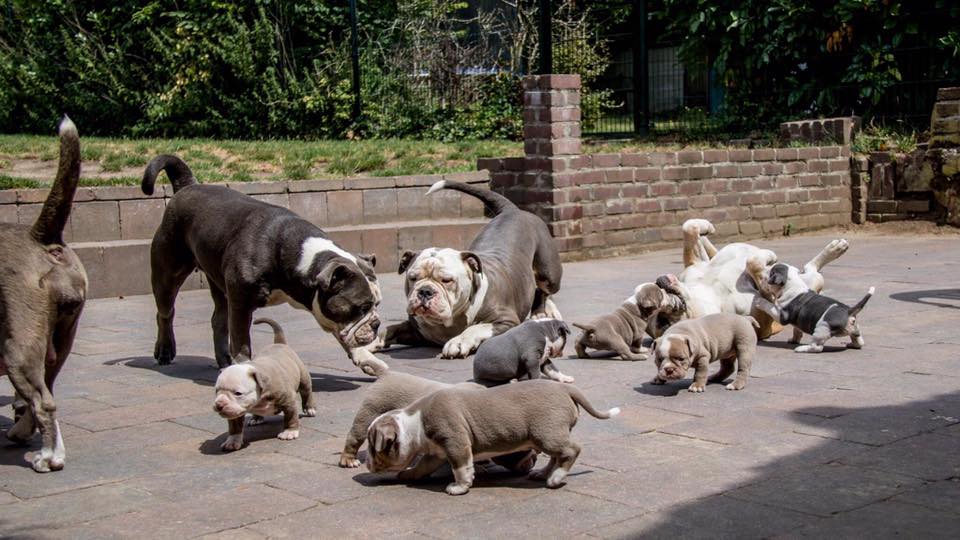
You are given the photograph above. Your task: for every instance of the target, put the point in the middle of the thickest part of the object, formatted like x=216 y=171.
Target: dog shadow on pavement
x=203 y=370
x=931 y=297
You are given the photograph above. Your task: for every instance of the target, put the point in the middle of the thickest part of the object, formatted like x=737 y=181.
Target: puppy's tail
x=863 y=301
x=584 y=327
x=577 y=396
x=278 y=336
x=369 y=364
x=48 y=229
x=177 y=171
x=494 y=201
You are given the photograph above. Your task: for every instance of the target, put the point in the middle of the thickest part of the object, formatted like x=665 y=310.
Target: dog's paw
x=736 y=385
x=233 y=443
x=457 y=489
x=311 y=412
x=658 y=381
x=45 y=461
x=808 y=349
x=539 y=474
x=22 y=431
x=699 y=226
x=565 y=378
x=458 y=347
x=255 y=420
x=696 y=388
x=556 y=479
x=164 y=353
x=289 y=434
x=349 y=462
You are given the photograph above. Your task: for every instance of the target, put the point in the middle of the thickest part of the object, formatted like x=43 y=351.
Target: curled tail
x=48 y=229
x=278 y=335
x=369 y=364
x=177 y=171
x=494 y=201
x=863 y=301
x=577 y=396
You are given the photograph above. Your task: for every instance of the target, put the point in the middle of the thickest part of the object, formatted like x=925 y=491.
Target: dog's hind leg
x=167 y=274
x=726 y=369
x=811 y=271
x=29 y=383
x=306 y=392
x=694 y=250
x=856 y=338
x=548 y=272
x=563 y=454
x=219 y=323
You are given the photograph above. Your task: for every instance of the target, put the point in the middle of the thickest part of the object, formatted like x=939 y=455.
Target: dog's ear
x=384 y=435
x=370 y=258
x=778 y=275
x=333 y=275
x=405 y=260
x=693 y=349
x=563 y=329
x=471 y=260
x=260 y=378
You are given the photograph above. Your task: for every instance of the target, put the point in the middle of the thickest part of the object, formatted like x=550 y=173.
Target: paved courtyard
x=842 y=444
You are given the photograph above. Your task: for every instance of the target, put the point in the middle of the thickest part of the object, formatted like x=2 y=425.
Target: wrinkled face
x=345 y=301
x=386 y=446
x=237 y=391
x=774 y=279
x=439 y=283
x=673 y=357
x=649 y=298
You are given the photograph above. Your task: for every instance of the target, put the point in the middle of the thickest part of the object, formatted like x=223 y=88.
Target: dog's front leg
x=460 y=456
x=234 y=439
x=291 y=420
x=625 y=353
x=552 y=372
x=241 y=317
x=219 y=322
x=701 y=368
x=463 y=345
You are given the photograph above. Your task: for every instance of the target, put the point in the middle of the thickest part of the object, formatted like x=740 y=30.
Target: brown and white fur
x=715 y=282
x=646 y=311
x=275 y=380
x=43 y=287
x=726 y=337
x=396 y=390
x=461 y=426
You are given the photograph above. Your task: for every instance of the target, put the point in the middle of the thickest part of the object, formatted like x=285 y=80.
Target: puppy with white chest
x=807 y=311
x=729 y=338
x=274 y=381
x=396 y=390
x=461 y=426
x=649 y=307
x=523 y=352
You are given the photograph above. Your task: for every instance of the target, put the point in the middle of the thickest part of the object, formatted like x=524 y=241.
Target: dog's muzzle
x=362 y=331
x=671 y=371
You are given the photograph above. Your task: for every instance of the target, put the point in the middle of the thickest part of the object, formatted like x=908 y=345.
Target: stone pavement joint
x=845 y=443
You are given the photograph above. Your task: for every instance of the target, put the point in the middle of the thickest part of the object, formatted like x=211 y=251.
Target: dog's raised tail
x=177 y=171
x=863 y=301
x=48 y=228
x=494 y=201
x=278 y=336
x=577 y=396
x=368 y=363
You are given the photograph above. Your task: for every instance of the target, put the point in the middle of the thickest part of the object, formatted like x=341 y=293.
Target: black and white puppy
x=809 y=312
x=523 y=352
x=253 y=254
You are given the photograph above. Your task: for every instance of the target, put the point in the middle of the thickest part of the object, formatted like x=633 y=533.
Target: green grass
x=879 y=138
x=109 y=161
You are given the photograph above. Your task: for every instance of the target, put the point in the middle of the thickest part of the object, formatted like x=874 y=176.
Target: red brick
x=675 y=204
x=701 y=171
x=775 y=197
x=827 y=152
x=807 y=180
x=763 y=182
x=649 y=205
x=764 y=154
x=690 y=188
x=751 y=198
x=726 y=171
x=794 y=167
x=808 y=152
x=819 y=194
x=715 y=156
x=536 y=131
x=841 y=164
x=818 y=165
x=619 y=175
x=647 y=174
x=750 y=228
x=717 y=186
x=808 y=208
x=675 y=173
x=703 y=201
x=771 y=226
x=786 y=182
x=593 y=208
x=619 y=206
x=763 y=212
x=635 y=190
x=786 y=154
x=634 y=160
x=741 y=155
x=840 y=192
x=797 y=195
x=605 y=161
x=560 y=82
x=619 y=238
x=662 y=188
x=689 y=156
x=772 y=168
x=662 y=158
x=741 y=185
x=751 y=169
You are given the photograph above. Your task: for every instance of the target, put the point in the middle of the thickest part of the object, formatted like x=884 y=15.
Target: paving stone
x=928 y=456
x=750 y=426
x=883 y=520
x=882 y=425
x=825 y=490
x=643 y=451
x=64 y=509
x=942 y=495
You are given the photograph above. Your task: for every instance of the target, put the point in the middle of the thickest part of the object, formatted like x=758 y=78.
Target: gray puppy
x=461 y=425
x=523 y=352
x=725 y=337
x=395 y=390
x=43 y=287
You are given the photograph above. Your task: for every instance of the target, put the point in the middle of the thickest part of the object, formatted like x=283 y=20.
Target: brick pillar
x=542 y=181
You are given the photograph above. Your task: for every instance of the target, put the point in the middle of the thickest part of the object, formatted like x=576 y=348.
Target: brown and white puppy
x=725 y=337
x=274 y=381
x=648 y=309
x=43 y=287
x=461 y=425
x=395 y=390
x=459 y=299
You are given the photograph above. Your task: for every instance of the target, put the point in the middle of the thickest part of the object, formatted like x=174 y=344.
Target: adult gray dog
x=458 y=299
x=253 y=254
x=43 y=287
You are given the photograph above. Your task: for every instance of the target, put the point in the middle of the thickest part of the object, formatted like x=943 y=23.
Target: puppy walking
x=729 y=338
x=461 y=426
x=808 y=312
x=43 y=287
x=274 y=381
x=523 y=352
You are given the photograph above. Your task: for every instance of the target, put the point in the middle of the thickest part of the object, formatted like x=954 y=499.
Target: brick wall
x=609 y=204
x=111 y=227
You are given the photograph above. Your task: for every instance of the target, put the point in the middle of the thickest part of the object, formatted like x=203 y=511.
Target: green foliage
x=781 y=58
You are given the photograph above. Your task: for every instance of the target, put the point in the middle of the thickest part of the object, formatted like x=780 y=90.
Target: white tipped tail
x=871 y=291
x=437 y=186
x=67 y=126
x=614 y=411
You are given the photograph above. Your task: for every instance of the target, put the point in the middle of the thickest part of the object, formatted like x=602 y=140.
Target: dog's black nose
x=425 y=294
x=375 y=325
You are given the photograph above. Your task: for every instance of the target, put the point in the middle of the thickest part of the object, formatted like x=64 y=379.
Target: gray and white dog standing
x=523 y=352
x=459 y=299
x=809 y=312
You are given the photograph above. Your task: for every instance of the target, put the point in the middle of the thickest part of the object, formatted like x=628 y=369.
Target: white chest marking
x=477 y=299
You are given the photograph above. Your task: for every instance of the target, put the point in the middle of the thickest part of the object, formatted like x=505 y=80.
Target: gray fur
x=520 y=353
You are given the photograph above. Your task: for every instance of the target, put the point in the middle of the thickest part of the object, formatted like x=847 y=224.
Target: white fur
x=312 y=247
x=461 y=346
x=67 y=126
x=437 y=186
x=427 y=271
x=477 y=302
